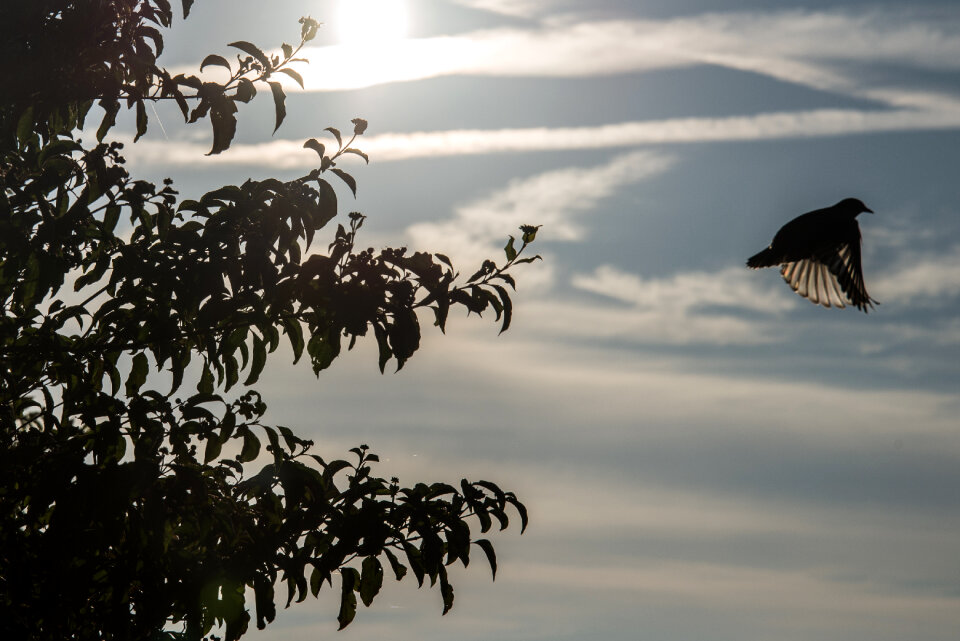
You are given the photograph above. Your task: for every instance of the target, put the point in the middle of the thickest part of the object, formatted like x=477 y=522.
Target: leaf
x=487 y=548
x=316 y=581
x=399 y=569
x=359 y=126
x=382 y=345
x=259 y=359
x=141 y=120
x=279 y=99
x=351 y=150
x=138 y=374
x=348 y=599
x=317 y=146
x=371 y=579
x=25 y=126
x=186 y=7
x=212 y=450
x=509 y=250
x=347 y=178
x=214 y=59
x=507 y=307
x=446 y=590
x=287 y=50
x=110 y=108
x=251 y=447
x=254 y=51
x=336 y=134
x=224 y=124
x=264 y=599
x=245 y=91
x=289 y=437
x=293 y=74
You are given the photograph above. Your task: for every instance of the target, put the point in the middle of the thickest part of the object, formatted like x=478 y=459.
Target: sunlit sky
x=704 y=454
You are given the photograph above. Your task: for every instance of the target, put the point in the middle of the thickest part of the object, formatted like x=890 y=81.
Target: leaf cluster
x=136 y=496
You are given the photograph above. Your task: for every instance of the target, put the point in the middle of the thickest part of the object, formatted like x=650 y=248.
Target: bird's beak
x=868 y=210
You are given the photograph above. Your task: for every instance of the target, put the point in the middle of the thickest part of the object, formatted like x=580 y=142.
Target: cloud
x=733 y=287
x=289 y=154
x=922 y=280
x=555 y=199
x=516 y=8
x=795 y=46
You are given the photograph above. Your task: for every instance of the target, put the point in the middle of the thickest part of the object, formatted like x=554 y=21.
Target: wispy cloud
x=922 y=280
x=795 y=46
x=732 y=287
x=556 y=199
x=289 y=154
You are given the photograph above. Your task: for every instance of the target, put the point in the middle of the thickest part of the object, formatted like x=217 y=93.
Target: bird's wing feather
x=813 y=280
x=830 y=279
x=845 y=266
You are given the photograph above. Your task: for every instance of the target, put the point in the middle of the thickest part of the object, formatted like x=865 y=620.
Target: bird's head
x=853 y=207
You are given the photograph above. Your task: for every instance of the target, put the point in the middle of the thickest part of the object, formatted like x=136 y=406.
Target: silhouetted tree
x=135 y=506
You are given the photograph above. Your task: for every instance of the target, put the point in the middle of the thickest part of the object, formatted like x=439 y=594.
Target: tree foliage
x=138 y=499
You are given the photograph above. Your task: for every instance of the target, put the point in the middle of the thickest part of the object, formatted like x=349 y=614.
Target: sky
x=704 y=454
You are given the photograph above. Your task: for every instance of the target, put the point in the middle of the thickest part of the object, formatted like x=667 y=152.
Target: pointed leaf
x=212 y=450
x=254 y=51
x=279 y=99
x=336 y=134
x=509 y=250
x=348 y=598
x=371 y=580
x=487 y=548
x=251 y=447
x=259 y=359
x=214 y=59
x=347 y=178
x=138 y=374
x=351 y=150
x=293 y=74
x=317 y=146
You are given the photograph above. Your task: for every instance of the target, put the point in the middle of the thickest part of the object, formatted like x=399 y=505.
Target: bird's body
x=819 y=256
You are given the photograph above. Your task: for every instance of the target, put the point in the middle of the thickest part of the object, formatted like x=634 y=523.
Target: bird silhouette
x=819 y=256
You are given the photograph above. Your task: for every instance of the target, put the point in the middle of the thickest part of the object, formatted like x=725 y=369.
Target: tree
x=139 y=506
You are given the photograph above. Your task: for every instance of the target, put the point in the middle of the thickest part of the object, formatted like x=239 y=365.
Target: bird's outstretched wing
x=830 y=279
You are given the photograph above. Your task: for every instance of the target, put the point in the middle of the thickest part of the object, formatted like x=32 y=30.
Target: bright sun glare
x=371 y=23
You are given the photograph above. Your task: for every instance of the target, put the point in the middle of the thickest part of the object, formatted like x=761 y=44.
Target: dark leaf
x=351 y=150
x=138 y=374
x=371 y=580
x=214 y=59
x=212 y=450
x=141 y=120
x=317 y=146
x=259 y=360
x=279 y=99
x=251 y=447
x=245 y=90
x=293 y=74
x=336 y=134
x=399 y=569
x=254 y=51
x=348 y=598
x=347 y=178
x=509 y=250
x=487 y=548
x=110 y=108
x=359 y=126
